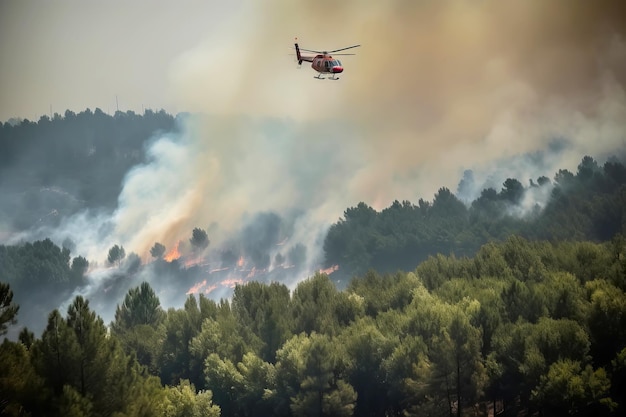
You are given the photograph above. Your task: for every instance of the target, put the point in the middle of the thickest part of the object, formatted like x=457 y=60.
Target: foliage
x=199 y=239
x=8 y=310
x=568 y=388
x=157 y=251
x=588 y=205
x=116 y=255
x=534 y=326
x=141 y=306
x=86 y=371
x=138 y=325
x=22 y=389
x=182 y=400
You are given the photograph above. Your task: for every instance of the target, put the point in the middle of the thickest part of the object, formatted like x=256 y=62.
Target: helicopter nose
x=337 y=69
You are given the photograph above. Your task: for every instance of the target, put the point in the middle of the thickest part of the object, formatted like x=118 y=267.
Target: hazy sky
x=427 y=54
x=77 y=54
x=436 y=88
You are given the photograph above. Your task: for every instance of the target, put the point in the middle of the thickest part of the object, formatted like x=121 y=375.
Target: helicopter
x=323 y=62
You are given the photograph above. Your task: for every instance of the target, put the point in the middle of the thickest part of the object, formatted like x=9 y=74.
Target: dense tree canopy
x=588 y=205
x=523 y=326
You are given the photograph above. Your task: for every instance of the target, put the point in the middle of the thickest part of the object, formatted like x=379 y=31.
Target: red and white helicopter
x=323 y=62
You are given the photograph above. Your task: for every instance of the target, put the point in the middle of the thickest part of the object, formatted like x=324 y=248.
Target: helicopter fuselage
x=326 y=64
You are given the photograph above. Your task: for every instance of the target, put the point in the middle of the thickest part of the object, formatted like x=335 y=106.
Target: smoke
x=506 y=90
x=436 y=88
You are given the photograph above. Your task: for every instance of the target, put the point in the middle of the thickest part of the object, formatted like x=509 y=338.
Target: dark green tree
x=26 y=337
x=368 y=349
x=310 y=377
x=264 y=309
x=90 y=353
x=226 y=383
x=22 y=390
x=8 y=310
x=513 y=191
x=182 y=400
x=79 y=268
x=199 y=240
x=570 y=389
x=116 y=255
x=260 y=376
x=606 y=320
x=313 y=306
x=54 y=353
x=157 y=251
x=141 y=306
x=176 y=359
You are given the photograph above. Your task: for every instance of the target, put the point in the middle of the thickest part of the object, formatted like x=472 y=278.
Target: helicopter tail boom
x=300 y=57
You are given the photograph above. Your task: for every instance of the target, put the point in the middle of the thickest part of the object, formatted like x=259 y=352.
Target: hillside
x=589 y=204
x=497 y=303
x=522 y=327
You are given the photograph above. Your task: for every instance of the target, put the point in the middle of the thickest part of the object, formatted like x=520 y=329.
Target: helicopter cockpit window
x=327 y=64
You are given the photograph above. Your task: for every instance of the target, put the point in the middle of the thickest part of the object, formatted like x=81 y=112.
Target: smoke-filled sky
x=436 y=88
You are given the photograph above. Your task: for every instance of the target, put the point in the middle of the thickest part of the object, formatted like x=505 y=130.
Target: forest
x=589 y=204
x=510 y=304
x=61 y=164
x=530 y=326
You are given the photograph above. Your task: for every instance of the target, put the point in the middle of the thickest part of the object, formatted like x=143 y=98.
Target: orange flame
x=330 y=270
x=252 y=273
x=172 y=254
x=240 y=262
x=194 y=261
x=231 y=282
x=198 y=287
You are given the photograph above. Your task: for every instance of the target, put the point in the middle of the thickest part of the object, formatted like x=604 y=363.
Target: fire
x=194 y=261
x=172 y=254
x=231 y=282
x=330 y=270
x=240 y=262
x=202 y=287
x=198 y=287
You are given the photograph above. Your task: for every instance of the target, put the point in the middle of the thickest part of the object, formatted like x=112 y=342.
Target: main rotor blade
x=312 y=51
x=343 y=49
x=342 y=54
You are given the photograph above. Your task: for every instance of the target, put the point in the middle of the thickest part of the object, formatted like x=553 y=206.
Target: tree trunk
x=458 y=386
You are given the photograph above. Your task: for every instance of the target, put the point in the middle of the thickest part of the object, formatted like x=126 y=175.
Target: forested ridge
x=65 y=163
x=589 y=204
x=511 y=303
